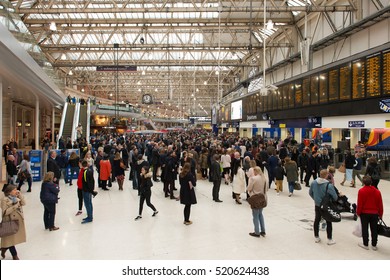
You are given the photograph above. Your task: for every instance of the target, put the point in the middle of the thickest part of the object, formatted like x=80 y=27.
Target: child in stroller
x=342 y=202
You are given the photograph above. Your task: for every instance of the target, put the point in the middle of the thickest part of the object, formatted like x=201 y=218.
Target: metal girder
x=156 y=47
x=225 y=9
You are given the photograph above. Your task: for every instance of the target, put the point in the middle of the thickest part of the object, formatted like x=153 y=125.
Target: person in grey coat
x=317 y=191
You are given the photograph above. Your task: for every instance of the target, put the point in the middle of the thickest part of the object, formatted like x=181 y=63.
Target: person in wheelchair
x=342 y=203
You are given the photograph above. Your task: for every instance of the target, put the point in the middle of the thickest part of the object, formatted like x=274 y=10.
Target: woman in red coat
x=105 y=171
x=369 y=209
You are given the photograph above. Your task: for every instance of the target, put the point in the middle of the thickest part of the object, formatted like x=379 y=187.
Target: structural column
x=53 y=119
x=355 y=137
x=298 y=134
x=36 y=124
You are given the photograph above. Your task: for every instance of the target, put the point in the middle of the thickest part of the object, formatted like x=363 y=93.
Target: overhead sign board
x=111 y=68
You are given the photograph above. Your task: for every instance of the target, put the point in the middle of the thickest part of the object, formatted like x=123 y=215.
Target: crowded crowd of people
x=251 y=166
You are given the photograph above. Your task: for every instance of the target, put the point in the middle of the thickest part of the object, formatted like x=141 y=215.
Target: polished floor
x=219 y=230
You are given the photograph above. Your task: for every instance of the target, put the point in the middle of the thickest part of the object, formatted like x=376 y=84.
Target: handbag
x=383 y=229
x=8 y=228
x=258 y=201
x=342 y=168
x=328 y=208
x=297 y=186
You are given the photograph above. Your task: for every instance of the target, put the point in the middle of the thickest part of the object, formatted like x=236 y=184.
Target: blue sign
x=356 y=123
x=36 y=164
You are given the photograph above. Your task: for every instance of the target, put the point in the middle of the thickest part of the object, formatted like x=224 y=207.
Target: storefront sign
x=251 y=117
x=356 y=123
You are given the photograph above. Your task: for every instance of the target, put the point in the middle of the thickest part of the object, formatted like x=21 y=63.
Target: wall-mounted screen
x=236 y=110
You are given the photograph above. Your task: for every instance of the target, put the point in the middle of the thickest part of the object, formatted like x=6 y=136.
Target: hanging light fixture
x=270 y=24
x=53 y=26
x=70 y=72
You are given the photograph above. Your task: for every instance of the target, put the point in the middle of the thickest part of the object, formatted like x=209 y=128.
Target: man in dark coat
x=53 y=166
x=216 y=177
x=171 y=174
x=155 y=161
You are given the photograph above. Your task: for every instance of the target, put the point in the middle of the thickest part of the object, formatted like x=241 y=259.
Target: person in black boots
x=155 y=161
x=145 y=185
x=187 y=193
x=216 y=177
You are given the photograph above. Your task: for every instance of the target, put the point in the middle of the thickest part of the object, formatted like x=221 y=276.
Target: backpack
x=376 y=174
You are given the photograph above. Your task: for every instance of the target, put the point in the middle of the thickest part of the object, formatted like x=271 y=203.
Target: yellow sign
x=282 y=125
x=387 y=123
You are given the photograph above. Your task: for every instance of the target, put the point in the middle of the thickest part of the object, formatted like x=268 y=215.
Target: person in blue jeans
x=88 y=191
x=257 y=184
x=74 y=166
x=318 y=189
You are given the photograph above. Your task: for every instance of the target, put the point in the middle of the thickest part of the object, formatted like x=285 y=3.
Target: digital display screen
x=373 y=70
x=236 y=110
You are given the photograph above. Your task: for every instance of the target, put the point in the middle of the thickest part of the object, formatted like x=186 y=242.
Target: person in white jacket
x=239 y=183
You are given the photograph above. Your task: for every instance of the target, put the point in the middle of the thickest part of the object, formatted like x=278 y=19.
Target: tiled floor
x=219 y=231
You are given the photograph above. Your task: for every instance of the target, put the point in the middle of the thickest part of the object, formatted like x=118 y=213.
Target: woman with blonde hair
x=258 y=184
x=49 y=199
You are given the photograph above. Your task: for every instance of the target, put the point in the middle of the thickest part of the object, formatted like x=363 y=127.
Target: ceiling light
x=205 y=83
x=70 y=72
x=111 y=94
x=156 y=90
x=53 y=26
x=270 y=25
x=198 y=89
x=63 y=56
x=143 y=72
x=217 y=72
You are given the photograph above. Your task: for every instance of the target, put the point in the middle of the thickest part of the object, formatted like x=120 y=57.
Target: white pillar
x=298 y=134
x=336 y=136
x=355 y=137
x=283 y=133
x=53 y=119
x=36 y=125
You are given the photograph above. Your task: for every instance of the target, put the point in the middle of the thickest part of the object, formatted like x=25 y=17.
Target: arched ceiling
x=180 y=52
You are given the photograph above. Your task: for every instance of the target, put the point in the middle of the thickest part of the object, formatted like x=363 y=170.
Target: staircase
x=67 y=130
x=149 y=124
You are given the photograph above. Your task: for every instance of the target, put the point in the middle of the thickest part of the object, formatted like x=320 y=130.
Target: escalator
x=67 y=130
x=83 y=119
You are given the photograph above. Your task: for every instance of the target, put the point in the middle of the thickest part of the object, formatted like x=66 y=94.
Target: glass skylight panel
x=295 y=3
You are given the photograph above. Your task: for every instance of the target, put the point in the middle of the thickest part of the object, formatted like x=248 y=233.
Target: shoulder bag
x=8 y=228
x=383 y=229
x=259 y=200
x=329 y=209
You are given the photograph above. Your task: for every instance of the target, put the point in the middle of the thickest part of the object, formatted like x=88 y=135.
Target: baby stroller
x=343 y=205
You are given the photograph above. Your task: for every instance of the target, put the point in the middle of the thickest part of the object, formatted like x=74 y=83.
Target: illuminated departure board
x=291 y=95
x=373 y=76
x=386 y=73
x=358 y=68
x=285 y=96
x=334 y=85
x=306 y=91
x=345 y=82
x=323 y=87
x=298 y=93
x=314 y=89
